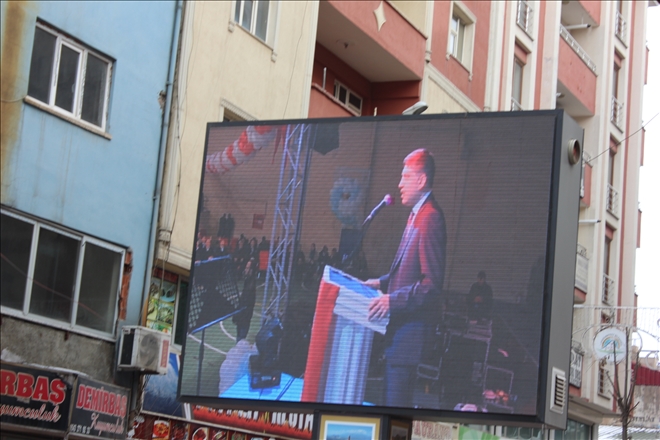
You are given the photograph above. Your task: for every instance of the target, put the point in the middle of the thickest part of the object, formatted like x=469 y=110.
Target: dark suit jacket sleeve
x=384 y=282
x=430 y=243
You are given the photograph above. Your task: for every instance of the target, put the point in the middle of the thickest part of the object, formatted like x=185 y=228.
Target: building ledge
x=583 y=406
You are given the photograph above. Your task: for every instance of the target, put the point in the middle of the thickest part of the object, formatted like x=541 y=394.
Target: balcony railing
x=620 y=27
x=581 y=250
x=515 y=105
x=524 y=16
x=577 y=48
x=616 y=112
x=612 y=201
x=609 y=290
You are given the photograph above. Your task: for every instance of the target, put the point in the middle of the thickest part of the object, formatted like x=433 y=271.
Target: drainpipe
x=176 y=30
x=135 y=408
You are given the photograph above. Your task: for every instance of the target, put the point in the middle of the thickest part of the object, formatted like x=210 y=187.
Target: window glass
x=606 y=256
x=615 y=81
x=517 y=80
x=522 y=433
x=453 y=35
x=454 y=24
x=16 y=242
x=237 y=12
x=67 y=77
x=94 y=91
x=54 y=279
x=262 y=20
x=99 y=285
x=574 y=431
x=247 y=14
x=342 y=94
x=355 y=101
x=461 y=38
x=41 y=66
x=64 y=269
x=456 y=37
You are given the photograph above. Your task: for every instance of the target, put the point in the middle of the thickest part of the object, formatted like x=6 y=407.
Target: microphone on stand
x=387 y=201
x=348 y=259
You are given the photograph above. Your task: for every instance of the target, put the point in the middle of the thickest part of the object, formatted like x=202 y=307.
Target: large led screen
x=373 y=262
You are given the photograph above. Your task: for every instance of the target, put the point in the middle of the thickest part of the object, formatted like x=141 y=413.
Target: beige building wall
x=600 y=43
x=442 y=96
x=225 y=71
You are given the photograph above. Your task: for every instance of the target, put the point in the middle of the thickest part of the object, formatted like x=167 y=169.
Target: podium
x=341 y=339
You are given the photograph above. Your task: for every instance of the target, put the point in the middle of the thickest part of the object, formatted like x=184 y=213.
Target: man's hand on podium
x=379 y=307
x=374 y=283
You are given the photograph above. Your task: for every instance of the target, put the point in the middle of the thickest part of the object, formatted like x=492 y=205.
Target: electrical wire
x=623 y=140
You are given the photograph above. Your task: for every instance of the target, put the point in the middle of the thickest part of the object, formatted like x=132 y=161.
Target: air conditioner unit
x=144 y=350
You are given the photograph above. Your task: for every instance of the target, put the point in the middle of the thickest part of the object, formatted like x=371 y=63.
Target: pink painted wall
x=475 y=89
x=576 y=76
x=593 y=9
x=342 y=72
x=391 y=98
x=321 y=105
x=397 y=36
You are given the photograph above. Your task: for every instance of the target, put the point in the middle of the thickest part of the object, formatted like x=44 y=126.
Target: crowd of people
x=241 y=249
x=307 y=269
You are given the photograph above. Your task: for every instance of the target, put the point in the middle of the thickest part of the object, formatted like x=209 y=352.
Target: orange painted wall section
x=337 y=70
x=576 y=76
x=593 y=9
x=397 y=36
x=475 y=89
x=321 y=105
x=391 y=98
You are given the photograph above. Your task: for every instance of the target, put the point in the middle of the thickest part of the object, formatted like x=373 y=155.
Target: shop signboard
x=423 y=430
x=35 y=399
x=575 y=376
x=100 y=410
x=284 y=424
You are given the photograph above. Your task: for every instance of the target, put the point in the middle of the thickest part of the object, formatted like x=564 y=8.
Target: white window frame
x=457 y=37
x=63 y=40
x=270 y=24
x=468 y=20
x=82 y=239
x=347 y=102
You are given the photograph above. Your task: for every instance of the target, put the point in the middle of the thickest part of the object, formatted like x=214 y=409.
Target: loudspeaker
x=326 y=138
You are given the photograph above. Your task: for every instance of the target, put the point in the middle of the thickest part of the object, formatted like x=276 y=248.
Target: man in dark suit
x=413 y=285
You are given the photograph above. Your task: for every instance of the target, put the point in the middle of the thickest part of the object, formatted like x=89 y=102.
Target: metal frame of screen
x=505 y=186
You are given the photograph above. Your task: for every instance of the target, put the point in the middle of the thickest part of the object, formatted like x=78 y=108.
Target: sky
x=647 y=264
x=648 y=255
